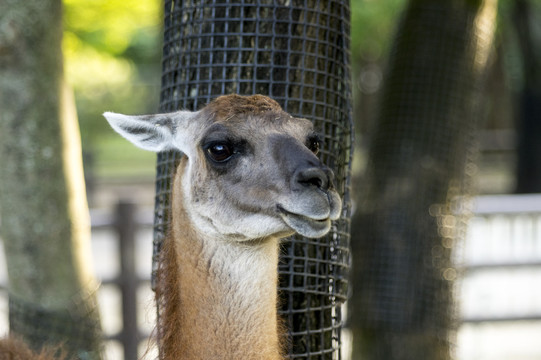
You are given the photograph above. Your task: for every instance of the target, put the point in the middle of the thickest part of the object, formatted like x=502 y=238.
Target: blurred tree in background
x=45 y=220
x=507 y=126
x=410 y=209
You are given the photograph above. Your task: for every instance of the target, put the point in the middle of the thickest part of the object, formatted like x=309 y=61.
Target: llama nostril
x=313 y=177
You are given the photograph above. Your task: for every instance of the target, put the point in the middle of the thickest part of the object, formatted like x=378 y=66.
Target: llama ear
x=150 y=132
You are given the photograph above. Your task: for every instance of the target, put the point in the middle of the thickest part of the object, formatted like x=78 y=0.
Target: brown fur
x=15 y=349
x=168 y=300
x=224 y=107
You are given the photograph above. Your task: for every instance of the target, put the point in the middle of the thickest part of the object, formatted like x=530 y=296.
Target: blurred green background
x=112 y=52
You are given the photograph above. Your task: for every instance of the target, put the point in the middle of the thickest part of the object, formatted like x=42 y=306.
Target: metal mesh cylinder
x=296 y=52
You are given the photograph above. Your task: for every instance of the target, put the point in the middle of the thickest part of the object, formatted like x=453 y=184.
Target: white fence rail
x=501 y=289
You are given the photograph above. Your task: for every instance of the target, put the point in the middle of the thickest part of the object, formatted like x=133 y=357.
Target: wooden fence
x=126 y=222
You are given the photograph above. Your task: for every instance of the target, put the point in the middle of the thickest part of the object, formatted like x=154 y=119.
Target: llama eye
x=314 y=144
x=219 y=152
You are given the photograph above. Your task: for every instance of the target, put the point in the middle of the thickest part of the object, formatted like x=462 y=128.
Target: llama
x=250 y=176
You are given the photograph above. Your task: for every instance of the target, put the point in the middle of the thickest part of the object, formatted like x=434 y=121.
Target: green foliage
x=112 y=52
x=110 y=26
x=372 y=25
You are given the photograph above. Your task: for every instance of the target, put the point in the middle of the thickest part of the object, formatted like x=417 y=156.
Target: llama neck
x=218 y=299
x=228 y=299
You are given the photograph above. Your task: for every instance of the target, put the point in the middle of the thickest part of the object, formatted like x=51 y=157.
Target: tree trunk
x=411 y=209
x=45 y=220
x=529 y=124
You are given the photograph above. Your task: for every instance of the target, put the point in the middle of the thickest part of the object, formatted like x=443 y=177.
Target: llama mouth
x=305 y=225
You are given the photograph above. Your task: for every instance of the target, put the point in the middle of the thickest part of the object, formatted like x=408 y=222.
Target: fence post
x=126 y=227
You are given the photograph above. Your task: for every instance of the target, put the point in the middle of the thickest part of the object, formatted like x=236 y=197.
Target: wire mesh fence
x=296 y=52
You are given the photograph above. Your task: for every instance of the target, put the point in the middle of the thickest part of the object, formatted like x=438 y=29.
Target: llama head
x=250 y=172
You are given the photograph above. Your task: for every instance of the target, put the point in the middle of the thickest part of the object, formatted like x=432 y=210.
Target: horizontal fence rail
x=504 y=238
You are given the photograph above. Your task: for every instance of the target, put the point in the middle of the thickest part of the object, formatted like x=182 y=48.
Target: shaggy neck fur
x=217 y=299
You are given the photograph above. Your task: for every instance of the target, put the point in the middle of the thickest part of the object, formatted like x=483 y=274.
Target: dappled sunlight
x=111 y=25
x=87 y=68
x=98 y=33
